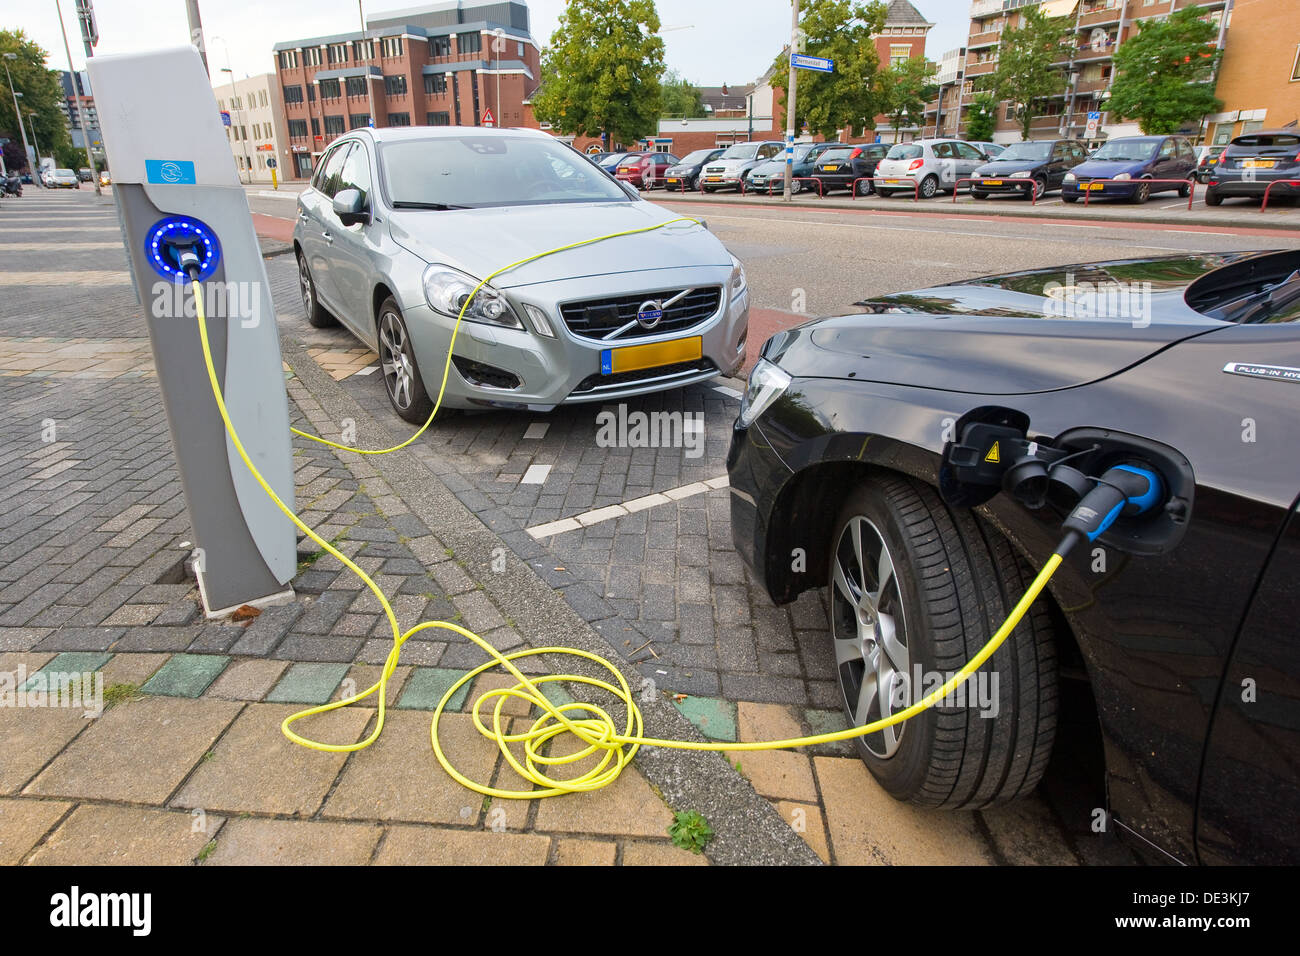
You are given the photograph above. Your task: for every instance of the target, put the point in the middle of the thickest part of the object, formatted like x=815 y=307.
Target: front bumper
x=1106 y=189
x=1005 y=184
x=755 y=475
x=566 y=369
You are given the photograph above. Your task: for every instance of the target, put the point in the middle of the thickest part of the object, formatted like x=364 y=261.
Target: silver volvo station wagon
x=399 y=225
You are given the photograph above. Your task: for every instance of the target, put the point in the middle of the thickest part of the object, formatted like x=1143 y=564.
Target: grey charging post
x=177 y=192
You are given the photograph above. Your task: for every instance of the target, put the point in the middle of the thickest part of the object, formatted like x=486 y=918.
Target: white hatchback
x=934 y=165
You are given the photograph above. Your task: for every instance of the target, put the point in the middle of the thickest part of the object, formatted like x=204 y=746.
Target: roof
x=394 y=134
x=901 y=13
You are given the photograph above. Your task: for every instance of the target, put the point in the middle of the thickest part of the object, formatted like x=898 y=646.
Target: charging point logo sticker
x=994 y=456
x=170 y=172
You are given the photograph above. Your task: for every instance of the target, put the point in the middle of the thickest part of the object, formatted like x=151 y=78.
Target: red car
x=645 y=170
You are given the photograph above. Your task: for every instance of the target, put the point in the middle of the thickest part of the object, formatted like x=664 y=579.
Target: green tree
x=904 y=89
x=1163 y=76
x=41 y=94
x=600 y=72
x=1025 y=73
x=828 y=102
x=681 y=97
x=982 y=119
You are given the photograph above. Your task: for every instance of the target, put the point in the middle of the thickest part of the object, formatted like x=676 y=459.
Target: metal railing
x=893 y=181
x=1085 y=187
x=780 y=181
x=1020 y=184
x=1269 y=188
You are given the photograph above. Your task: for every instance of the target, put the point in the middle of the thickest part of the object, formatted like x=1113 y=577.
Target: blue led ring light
x=159 y=247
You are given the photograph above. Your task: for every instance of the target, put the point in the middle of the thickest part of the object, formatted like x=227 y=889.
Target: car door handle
x=302 y=214
x=327 y=236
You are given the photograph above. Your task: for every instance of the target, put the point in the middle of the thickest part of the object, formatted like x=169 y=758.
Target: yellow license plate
x=1094 y=187
x=636 y=357
x=671 y=179
x=896 y=182
x=713 y=179
x=992 y=182
x=1258 y=164
x=830 y=169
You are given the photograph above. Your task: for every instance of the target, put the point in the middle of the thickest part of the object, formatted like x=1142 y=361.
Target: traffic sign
x=801 y=61
x=271 y=163
x=225 y=118
x=488 y=118
x=1094 y=120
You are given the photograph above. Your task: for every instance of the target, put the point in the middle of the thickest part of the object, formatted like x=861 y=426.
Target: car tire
x=397 y=364
x=1184 y=190
x=951 y=580
x=1042 y=188
x=865 y=187
x=1069 y=197
x=317 y=316
x=1141 y=195
x=929 y=187
x=1213 y=198
x=979 y=194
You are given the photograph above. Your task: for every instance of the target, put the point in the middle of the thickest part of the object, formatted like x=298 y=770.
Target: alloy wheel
x=870 y=633
x=395 y=359
x=304 y=285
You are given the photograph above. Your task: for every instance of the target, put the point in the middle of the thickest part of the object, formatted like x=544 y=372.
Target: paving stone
x=186 y=675
x=425 y=846
x=828 y=722
x=361 y=677
x=80 y=639
x=806 y=820
x=315 y=647
x=308 y=684
x=627 y=807
x=261 y=637
x=32 y=736
x=715 y=718
x=71 y=662
x=125 y=836
x=21 y=638
x=585 y=852
x=294 y=843
x=427 y=685
x=777 y=774
x=1026 y=833
x=138 y=752
x=23 y=822
x=645 y=853
x=131 y=668
x=869 y=826
x=133 y=614
x=247 y=679
x=157 y=639
x=256 y=769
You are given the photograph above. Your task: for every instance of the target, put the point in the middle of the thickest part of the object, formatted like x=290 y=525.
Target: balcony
x=980 y=69
x=1099 y=18
x=982 y=8
x=987 y=38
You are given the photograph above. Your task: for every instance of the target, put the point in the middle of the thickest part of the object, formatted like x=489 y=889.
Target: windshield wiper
x=1260 y=305
x=427 y=205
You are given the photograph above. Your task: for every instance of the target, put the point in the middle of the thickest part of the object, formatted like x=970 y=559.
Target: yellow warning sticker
x=995 y=454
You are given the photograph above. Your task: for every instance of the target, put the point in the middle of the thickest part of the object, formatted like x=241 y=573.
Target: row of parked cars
x=1131 y=168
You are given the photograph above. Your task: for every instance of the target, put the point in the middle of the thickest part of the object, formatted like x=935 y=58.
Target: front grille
x=597 y=318
x=485 y=376
x=716 y=170
x=619 y=379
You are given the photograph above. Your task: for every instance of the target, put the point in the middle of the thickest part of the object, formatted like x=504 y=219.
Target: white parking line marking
x=60 y=246
x=611 y=512
x=535 y=475
x=537 y=430
x=368 y=370
x=729 y=392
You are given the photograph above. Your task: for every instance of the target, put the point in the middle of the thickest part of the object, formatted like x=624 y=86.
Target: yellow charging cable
x=592 y=725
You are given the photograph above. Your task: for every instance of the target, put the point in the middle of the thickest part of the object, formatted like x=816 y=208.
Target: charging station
x=178 y=194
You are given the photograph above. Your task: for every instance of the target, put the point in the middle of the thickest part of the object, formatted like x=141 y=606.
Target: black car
x=918 y=463
x=1251 y=162
x=1021 y=165
x=841 y=168
x=687 y=170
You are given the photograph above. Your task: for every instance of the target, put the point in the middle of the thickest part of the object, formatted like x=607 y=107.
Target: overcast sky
x=721 y=46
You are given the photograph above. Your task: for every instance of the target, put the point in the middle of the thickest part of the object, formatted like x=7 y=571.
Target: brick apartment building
x=1099 y=27
x=76 y=86
x=441 y=64
x=902 y=39
x=1259 y=78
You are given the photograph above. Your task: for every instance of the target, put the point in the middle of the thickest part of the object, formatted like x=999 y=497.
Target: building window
x=392 y=46
x=435 y=83
x=395 y=85
x=899 y=53
x=358 y=120
x=469 y=42
x=1295 y=68
x=1251 y=126
x=356 y=86
x=311 y=92
x=399 y=119
x=315 y=126
x=293 y=94
x=440 y=46
x=363 y=49
x=288 y=59
x=261 y=97
x=1223 y=134
x=333 y=125
x=337 y=52
x=1011 y=112
x=329 y=89
x=297 y=128
x=311 y=56
x=439 y=119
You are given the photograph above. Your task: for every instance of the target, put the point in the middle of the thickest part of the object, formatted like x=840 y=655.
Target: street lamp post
x=81 y=113
x=787 y=192
x=234 y=98
x=17 y=111
x=36 y=147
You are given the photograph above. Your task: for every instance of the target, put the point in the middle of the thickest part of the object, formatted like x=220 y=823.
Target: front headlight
x=1122 y=176
x=766 y=384
x=737 y=283
x=446 y=290
x=1022 y=174
x=1069 y=177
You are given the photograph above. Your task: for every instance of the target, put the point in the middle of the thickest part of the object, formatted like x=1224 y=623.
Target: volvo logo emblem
x=650 y=314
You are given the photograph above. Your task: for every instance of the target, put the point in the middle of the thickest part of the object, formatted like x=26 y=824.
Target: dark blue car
x=1136 y=161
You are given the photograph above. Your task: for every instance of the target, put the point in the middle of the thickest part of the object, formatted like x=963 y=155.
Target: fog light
x=538 y=319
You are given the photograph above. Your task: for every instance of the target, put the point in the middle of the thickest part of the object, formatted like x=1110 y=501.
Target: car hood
x=1108 y=168
x=480 y=241
x=1012 y=334
x=1000 y=167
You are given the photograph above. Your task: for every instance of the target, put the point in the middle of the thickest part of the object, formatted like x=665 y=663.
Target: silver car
x=398 y=226
x=935 y=165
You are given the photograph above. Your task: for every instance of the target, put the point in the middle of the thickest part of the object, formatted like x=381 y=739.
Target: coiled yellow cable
x=593 y=726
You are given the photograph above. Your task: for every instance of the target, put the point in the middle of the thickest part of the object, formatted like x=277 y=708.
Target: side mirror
x=350 y=207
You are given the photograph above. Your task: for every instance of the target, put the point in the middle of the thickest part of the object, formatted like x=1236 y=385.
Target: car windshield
x=839 y=152
x=1133 y=151
x=63 y=172
x=477 y=171
x=741 y=151
x=699 y=156
x=1266 y=139
x=1033 y=152
x=904 y=151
